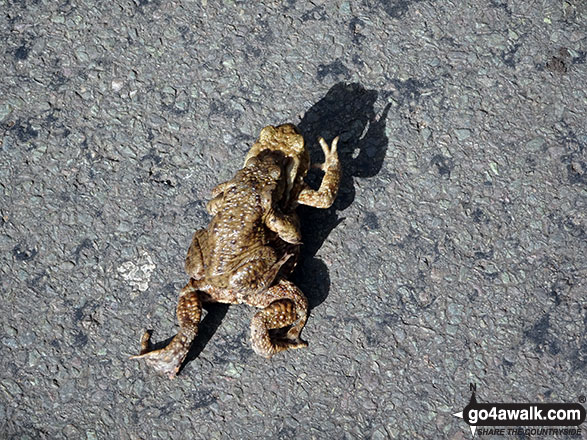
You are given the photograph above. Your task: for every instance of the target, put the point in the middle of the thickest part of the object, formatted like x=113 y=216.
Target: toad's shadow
x=347 y=111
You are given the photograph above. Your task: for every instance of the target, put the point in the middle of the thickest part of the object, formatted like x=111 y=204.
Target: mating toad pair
x=251 y=244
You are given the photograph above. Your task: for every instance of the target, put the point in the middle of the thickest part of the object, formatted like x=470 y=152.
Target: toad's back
x=238 y=227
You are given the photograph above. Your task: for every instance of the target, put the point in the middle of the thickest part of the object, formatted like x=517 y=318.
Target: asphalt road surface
x=455 y=253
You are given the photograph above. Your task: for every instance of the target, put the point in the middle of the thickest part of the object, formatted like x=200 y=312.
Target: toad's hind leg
x=168 y=360
x=283 y=305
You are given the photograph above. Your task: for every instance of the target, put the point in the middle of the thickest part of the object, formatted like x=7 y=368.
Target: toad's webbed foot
x=168 y=360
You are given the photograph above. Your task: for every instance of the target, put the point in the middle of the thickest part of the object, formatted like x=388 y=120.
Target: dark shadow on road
x=347 y=111
x=208 y=327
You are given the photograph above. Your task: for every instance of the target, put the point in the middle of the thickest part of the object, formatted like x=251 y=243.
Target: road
x=454 y=255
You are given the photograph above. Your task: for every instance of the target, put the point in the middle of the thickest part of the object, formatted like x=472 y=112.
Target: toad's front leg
x=283 y=304
x=325 y=195
x=287 y=227
x=168 y=360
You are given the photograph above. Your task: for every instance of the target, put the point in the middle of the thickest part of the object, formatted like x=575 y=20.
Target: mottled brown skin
x=251 y=244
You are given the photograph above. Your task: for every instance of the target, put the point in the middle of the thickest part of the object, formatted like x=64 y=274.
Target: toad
x=251 y=245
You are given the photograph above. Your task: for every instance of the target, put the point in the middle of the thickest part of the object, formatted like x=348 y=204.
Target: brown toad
x=251 y=244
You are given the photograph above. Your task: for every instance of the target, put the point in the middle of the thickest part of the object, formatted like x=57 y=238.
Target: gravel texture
x=455 y=253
